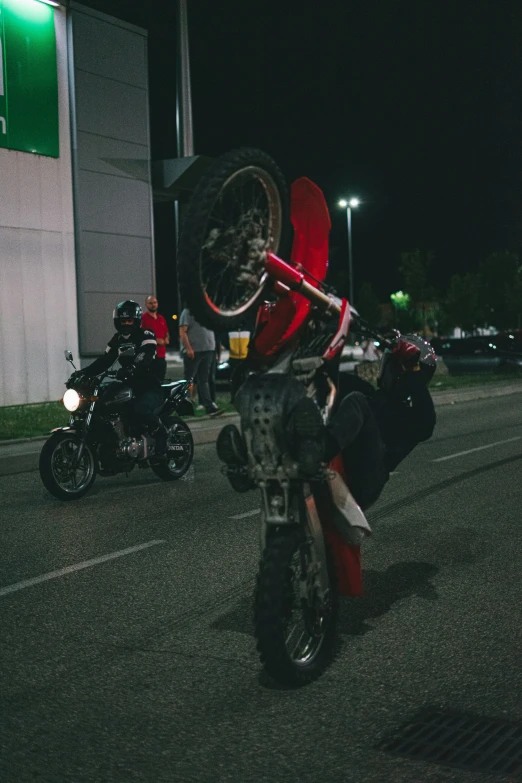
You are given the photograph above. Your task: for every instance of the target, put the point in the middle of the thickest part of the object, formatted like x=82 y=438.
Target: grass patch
x=442 y=382
x=222 y=401
x=31 y=421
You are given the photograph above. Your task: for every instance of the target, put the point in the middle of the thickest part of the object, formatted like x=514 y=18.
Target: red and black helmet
x=407 y=351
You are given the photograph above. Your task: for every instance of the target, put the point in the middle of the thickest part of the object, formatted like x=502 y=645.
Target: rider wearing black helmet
x=135 y=348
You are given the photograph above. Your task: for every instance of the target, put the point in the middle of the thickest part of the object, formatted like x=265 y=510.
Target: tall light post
x=352 y=203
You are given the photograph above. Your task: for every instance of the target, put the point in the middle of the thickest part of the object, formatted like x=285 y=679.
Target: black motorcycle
x=102 y=439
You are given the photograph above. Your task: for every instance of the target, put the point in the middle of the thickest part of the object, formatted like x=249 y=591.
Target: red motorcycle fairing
x=277 y=324
x=311 y=221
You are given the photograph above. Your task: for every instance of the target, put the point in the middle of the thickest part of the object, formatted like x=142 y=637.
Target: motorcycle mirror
x=68 y=355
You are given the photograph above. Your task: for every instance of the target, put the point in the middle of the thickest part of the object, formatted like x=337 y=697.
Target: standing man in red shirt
x=155 y=322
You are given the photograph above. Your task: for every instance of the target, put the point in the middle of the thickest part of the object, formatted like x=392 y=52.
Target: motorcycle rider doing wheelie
x=137 y=369
x=373 y=430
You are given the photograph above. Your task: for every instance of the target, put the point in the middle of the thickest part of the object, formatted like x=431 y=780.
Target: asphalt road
x=142 y=667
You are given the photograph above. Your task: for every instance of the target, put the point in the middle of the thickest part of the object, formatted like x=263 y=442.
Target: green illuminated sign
x=28 y=78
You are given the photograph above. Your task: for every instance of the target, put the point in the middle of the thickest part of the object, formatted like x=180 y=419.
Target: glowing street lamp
x=352 y=203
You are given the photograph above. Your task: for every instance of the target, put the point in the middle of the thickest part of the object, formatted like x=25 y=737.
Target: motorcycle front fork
x=83 y=441
x=314 y=534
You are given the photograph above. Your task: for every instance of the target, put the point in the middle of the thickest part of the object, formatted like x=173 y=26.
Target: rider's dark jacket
x=405 y=417
x=142 y=364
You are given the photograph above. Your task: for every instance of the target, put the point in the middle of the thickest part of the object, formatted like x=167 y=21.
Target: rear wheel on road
x=295 y=628
x=180 y=451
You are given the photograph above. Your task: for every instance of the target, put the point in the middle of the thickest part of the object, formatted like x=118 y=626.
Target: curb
x=450 y=397
x=205 y=429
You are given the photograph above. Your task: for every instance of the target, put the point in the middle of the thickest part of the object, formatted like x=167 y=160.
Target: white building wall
x=38 y=314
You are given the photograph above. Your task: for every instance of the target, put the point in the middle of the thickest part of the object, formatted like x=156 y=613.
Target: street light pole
x=350 y=255
x=184 y=126
x=351 y=204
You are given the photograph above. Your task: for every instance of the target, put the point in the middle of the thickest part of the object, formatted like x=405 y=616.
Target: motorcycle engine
x=131 y=448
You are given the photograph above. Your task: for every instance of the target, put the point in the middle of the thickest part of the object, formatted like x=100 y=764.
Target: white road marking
x=20 y=454
x=478 y=448
x=77 y=567
x=253 y=513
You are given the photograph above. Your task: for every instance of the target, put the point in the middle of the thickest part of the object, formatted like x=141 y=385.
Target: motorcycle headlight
x=71 y=400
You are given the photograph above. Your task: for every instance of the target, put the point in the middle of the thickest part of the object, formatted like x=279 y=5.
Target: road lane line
x=478 y=448
x=20 y=454
x=253 y=513
x=77 y=567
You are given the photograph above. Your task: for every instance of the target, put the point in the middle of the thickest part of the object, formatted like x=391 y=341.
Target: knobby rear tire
x=271 y=591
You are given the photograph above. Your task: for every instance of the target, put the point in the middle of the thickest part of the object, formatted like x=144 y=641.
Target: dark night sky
x=413 y=106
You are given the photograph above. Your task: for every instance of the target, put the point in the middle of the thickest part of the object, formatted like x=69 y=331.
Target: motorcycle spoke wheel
x=237 y=214
x=244 y=224
x=295 y=630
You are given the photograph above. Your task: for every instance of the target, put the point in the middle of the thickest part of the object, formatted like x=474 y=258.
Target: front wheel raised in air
x=238 y=212
x=295 y=629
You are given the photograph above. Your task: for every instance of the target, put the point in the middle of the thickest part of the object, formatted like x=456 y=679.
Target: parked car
x=498 y=353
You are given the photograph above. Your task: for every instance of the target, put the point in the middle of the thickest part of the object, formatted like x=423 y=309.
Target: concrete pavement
x=143 y=666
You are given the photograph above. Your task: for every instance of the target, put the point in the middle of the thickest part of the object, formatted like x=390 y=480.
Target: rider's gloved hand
x=77 y=377
x=125 y=374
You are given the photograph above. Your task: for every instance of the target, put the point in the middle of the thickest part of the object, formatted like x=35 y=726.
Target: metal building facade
x=76 y=230
x=38 y=316
x=112 y=172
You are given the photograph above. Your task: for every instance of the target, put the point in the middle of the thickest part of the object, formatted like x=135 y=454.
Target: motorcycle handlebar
x=289 y=277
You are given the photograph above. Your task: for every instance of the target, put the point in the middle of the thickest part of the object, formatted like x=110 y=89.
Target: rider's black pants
x=353 y=431
x=146 y=401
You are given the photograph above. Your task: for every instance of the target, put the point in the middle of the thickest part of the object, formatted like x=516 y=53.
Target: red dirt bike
x=311 y=528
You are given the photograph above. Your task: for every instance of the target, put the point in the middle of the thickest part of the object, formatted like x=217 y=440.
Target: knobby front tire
x=237 y=213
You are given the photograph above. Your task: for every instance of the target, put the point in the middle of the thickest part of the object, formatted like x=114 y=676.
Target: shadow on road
x=382 y=589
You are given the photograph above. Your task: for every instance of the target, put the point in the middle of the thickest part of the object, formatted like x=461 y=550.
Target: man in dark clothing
x=135 y=348
x=199 y=349
x=373 y=430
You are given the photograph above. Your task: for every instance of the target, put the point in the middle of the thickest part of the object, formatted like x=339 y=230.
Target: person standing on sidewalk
x=199 y=350
x=156 y=323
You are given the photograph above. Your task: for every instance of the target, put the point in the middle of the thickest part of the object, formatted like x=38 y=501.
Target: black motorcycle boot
x=231 y=450
x=230 y=446
x=308 y=436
